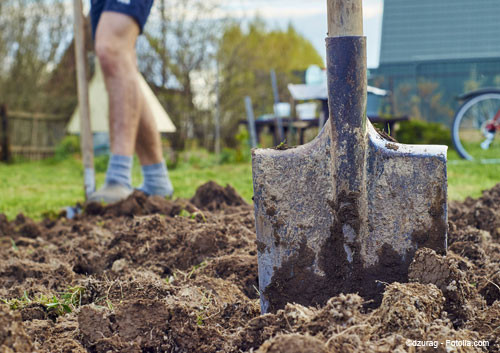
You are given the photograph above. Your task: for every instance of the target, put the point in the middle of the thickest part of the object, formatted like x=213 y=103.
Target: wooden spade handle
x=86 y=142
x=345 y=18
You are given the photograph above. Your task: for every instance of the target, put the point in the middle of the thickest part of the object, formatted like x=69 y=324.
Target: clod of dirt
x=139 y=204
x=34 y=312
x=94 y=324
x=17 y=275
x=487 y=325
x=30 y=229
x=5 y=227
x=489 y=288
x=211 y=196
x=343 y=310
x=13 y=338
x=293 y=343
x=60 y=336
x=239 y=269
x=473 y=252
x=430 y=268
x=483 y=213
x=467 y=234
x=20 y=219
x=140 y=324
x=409 y=306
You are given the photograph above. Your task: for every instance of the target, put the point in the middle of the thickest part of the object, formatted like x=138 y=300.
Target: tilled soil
x=181 y=276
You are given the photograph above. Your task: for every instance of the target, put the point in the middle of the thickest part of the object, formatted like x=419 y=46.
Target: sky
x=309 y=18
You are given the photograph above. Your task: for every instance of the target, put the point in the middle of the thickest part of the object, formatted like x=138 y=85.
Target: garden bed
x=150 y=275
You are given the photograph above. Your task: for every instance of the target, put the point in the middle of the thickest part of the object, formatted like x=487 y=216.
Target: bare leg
x=148 y=148
x=116 y=35
x=115 y=46
x=148 y=143
x=131 y=123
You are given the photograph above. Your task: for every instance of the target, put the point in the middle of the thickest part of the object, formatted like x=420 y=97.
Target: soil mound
x=139 y=204
x=211 y=196
x=482 y=213
x=154 y=275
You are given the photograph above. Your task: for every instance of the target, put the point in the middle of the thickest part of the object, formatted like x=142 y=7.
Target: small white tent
x=99 y=107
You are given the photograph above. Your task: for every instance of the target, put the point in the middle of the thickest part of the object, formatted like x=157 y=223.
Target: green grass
x=467 y=178
x=58 y=305
x=34 y=188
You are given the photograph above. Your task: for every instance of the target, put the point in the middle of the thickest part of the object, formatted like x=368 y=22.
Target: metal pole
x=86 y=143
x=251 y=121
x=279 y=122
x=274 y=83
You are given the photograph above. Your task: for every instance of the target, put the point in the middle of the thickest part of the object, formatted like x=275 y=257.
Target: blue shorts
x=137 y=9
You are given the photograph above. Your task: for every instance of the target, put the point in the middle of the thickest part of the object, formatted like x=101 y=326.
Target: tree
x=33 y=36
x=245 y=60
x=180 y=42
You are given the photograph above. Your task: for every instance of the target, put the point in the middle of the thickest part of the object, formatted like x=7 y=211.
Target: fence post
x=5 y=157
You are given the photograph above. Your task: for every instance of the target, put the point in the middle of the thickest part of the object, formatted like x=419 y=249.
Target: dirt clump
x=293 y=343
x=139 y=204
x=157 y=275
x=487 y=324
x=5 y=227
x=462 y=298
x=406 y=307
x=482 y=213
x=13 y=337
x=212 y=197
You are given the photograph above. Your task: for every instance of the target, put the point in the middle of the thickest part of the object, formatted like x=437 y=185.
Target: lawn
x=36 y=187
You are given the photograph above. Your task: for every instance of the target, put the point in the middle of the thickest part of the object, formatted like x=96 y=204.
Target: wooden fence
x=30 y=135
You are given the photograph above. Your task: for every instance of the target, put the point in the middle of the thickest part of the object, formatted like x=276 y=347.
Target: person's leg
x=116 y=36
x=149 y=150
x=132 y=125
x=115 y=39
x=148 y=142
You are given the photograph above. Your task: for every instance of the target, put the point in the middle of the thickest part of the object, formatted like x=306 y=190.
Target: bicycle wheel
x=470 y=134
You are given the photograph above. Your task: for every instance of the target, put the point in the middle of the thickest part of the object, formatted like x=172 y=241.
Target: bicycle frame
x=494 y=125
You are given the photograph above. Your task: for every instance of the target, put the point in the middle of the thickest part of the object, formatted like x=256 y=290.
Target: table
x=303 y=125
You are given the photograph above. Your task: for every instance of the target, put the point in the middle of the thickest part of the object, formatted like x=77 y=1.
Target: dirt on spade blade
x=150 y=275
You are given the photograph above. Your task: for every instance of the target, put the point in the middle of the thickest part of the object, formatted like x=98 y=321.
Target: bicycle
x=476 y=124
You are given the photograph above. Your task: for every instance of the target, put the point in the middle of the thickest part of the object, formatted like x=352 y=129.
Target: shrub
x=67 y=147
x=424 y=133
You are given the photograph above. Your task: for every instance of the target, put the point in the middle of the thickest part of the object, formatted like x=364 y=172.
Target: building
x=432 y=51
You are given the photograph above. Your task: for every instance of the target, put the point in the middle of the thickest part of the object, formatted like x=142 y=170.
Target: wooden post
x=345 y=18
x=86 y=143
x=5 y=157
x=217 y=115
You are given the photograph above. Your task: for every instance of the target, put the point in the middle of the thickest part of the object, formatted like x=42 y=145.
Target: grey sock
x=119 y=170
x=156 y=180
